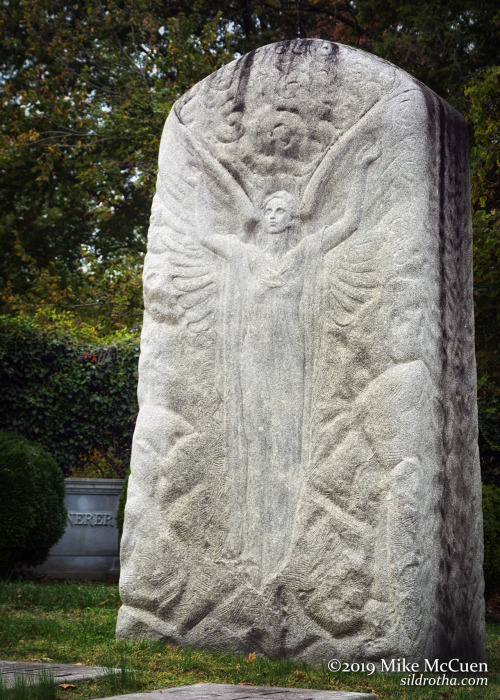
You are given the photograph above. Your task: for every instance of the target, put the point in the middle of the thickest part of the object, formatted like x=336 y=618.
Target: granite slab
x=63 y=673
x=241 y=692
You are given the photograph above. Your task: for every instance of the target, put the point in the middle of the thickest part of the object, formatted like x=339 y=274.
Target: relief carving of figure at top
x=251 y=279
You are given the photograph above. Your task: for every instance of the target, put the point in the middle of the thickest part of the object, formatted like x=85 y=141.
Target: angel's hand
x=369 y=153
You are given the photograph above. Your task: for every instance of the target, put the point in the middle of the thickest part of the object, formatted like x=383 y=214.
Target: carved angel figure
x=249 y=273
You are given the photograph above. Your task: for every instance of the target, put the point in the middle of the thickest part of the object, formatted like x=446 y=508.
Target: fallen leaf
x=250 y=658
x=67 y=686
x=246 y=684
x=104 y=602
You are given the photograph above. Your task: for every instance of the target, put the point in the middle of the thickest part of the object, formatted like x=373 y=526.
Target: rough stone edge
x=460 y=630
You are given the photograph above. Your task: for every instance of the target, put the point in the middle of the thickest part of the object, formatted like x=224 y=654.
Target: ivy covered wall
x=77 y=400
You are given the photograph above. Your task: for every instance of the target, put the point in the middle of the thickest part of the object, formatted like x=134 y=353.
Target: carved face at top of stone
x=278 y=212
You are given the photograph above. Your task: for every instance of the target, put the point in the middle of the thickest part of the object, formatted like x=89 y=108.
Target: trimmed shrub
x=78 y=402
x=491 y=520
x=32 y=510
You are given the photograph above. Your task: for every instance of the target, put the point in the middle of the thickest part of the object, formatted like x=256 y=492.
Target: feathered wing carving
x=353 y=276
x=193 y=181
x=351 y=266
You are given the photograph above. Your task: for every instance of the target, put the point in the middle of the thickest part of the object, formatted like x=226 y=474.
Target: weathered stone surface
x=241 y=692
x=62 y=673
x=305 y=475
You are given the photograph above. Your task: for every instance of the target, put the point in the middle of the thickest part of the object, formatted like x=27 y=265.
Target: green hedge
x=32 y=510
x=73 y=399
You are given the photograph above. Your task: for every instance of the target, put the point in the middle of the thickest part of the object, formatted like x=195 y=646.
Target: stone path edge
x=63 y=673
x=216 y=691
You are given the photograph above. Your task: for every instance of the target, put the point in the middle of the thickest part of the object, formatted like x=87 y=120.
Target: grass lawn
x=75 y=623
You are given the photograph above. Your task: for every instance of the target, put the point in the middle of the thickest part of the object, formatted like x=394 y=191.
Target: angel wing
x=195 y=193
x=352 y=278
x=355 y=271
x=350 y=274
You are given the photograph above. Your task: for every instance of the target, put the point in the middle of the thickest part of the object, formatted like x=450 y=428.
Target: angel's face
x=277 y=215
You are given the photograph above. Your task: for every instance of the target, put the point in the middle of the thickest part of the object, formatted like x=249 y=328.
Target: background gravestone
x=305 y=477
x=89 y=548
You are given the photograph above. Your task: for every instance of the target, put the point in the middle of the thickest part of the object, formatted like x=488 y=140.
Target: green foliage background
x=32 y=510
x=483 y=95
x=73 y=398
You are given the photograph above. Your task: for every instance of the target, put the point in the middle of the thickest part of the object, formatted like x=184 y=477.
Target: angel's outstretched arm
x=225 y=246
x=333 y=235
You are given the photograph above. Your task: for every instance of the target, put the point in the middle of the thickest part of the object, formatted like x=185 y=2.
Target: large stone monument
x=305 y=477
